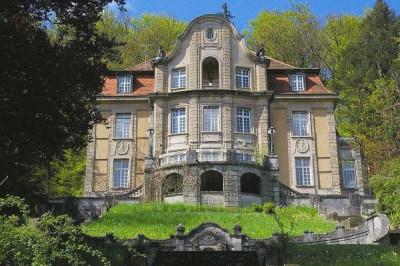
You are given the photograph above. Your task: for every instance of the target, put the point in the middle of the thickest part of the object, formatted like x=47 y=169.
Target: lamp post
x=150 y=133
x=271 y=132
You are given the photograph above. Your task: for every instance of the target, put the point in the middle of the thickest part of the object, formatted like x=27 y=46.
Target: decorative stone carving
x=122 y=147
x=302 y=146
x=245 y=139
x=211 y=137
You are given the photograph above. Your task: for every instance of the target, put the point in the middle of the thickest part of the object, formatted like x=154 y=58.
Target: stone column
x=333 y=142
x=160 y=126
x=194 y=67
x=226 y=59
x=231 y=188
x=90 y=163
x=161 y=78
x=194 y=122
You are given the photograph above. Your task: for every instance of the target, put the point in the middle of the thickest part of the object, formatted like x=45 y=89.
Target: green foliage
x=48 y=240
x=258 y=208
x=67 y=176
x=269 y=208
x=386 y=187
x=139 y=36
x=158 y=220
x=49 y=81
x=344 y=255
x=291 y=36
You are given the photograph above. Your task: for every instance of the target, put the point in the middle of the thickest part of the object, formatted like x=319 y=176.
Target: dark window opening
x=250 y=183
x=212 y=181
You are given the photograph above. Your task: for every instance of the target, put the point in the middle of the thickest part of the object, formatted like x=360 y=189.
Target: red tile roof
x=279 y=83
x=142 y=86
x=144 y=66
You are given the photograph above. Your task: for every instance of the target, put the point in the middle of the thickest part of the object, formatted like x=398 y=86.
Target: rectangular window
x=210 y=156
x=300 y=124
x=244 y=157
x=177 y=158
x=243 y=120
x=125 y=84
x=121 y=173
x=349 y=174
x=210 y=119
x=178 y=121
x=303 y=172
x=242 y=78
x=179 y=79
x=123 y=126
x=297 y=82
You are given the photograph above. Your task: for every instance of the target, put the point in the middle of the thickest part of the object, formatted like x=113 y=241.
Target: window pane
x=242 y=78
x=124 y=84
x=349 y=175
x=123 y=126
x=300 y=124
x=211 y=118
x=243 y=120
x=178 y=121
x=121 y=173
x=303 y=173
x=179 y=78
x=297 y=82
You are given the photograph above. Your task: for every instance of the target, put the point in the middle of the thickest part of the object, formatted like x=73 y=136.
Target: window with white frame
x=243 y=157
x=177 y=158
x=297 y=82
x=210 y=156
x=243 y=120
x=178 y=121
x=120 y=176
x=300 y=127
x=123 y=127
x=211 y=118
x=125 y=84
x=210 y=34
x=242 y=78
x=349 y=174
x=303 y=172
x=179 y=78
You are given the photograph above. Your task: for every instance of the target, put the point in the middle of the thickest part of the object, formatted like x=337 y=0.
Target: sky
x=246 y=10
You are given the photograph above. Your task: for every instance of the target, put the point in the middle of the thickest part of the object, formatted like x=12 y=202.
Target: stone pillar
x=160 y=127
x=148 y=175
x=194 y=122
x=90 y=164
x=261 y=115
x=227 y=122
x=333 y=141
x=194 y=59
x=226 y=59
x=261 y=76
x=161 y=78
x=231 y=188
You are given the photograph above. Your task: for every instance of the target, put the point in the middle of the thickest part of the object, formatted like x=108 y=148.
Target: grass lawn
x=159 y=220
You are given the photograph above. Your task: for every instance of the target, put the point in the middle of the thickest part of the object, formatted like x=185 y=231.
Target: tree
x=369 y=92
x=139 y=38
x=386 y=187
x=48 y=240
x=292 y=36
x=48 y=83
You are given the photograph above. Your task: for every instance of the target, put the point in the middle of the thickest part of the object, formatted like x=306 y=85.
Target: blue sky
x=246 y=10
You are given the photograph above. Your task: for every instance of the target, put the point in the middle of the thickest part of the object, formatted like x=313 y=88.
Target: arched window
x=210 y=72
x=250 y=183
x=173 y=183
x=212 y=181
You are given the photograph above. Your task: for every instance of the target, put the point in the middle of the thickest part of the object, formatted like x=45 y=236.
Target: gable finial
x=226 y=14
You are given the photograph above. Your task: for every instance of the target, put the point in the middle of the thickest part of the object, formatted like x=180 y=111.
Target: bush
x=269 y=208
x=48 y=240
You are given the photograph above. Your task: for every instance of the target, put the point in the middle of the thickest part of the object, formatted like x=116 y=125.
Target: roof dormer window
x=125 y=84
x=297 y=82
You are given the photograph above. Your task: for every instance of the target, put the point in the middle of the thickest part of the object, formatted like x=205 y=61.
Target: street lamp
x=271 y=132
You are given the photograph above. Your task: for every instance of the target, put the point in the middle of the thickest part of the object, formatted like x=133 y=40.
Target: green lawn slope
x=159 y=220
